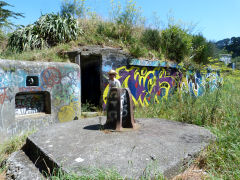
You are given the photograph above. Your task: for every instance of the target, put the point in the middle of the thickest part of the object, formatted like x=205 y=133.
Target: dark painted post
x=119 y=109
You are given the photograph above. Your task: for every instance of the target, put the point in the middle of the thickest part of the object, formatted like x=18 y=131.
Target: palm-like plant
x=49 y=30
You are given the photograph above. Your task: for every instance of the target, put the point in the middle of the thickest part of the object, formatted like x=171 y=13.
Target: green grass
x=98 y=174
x=220 y=112
x=55 y=54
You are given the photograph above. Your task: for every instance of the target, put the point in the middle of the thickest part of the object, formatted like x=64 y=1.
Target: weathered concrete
x=89 y=114
x=149 y=81
x=33 y=94
x=20 y=167
x=158 y=145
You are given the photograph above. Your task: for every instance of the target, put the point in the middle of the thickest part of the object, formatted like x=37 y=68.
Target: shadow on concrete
x=94 y=127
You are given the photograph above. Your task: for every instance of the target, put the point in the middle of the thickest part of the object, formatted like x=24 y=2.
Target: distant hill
x=231 y=45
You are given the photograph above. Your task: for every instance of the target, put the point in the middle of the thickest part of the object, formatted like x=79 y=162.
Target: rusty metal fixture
x=120 y=110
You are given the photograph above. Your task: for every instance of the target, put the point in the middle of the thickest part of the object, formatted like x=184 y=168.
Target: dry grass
x=3 y=175
x=192 y=173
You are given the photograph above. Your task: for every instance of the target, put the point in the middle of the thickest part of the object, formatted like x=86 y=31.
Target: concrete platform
x=158 y=146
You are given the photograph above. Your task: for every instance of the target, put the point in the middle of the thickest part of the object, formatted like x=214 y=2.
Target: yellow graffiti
x=141 y=76
x=68 y=113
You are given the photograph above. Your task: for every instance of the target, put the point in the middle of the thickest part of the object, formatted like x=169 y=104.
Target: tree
x=75 y=8
x=230 y=45
x=202 y=49
x=234 y=46
x=5 y=14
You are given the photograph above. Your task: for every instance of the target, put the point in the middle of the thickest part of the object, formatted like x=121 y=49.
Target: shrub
x=136 y=50
x=107 y=29
x=201 y=49
x=175 y=43
x=75 y=8
x=126 y=18
x=151 y=38
x=25 y=38
x=48 y=30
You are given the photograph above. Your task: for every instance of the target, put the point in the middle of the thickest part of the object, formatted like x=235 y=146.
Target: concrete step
x=90 y=114
x=20 y=167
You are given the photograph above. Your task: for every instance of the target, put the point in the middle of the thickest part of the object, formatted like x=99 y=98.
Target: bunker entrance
x=90 y=80
x=32 y=103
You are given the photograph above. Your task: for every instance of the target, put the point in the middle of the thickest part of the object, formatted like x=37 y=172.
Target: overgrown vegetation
x=176 y=43
x=202 y=49
x=5 y=23
x=151 y=38
x=125 y=28
x=219 y=111
x=49 y=30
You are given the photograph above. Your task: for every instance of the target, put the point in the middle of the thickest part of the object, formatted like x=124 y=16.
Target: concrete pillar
x=78 y=61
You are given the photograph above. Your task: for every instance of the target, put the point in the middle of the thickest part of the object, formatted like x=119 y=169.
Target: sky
x=215 y=19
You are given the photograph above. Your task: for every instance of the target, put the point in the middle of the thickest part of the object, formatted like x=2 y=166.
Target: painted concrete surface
x=159 y=146
x=149 y=81
x=152 y=84
x=36 y=94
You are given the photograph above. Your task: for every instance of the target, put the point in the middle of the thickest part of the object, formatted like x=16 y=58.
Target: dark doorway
x=90 y=79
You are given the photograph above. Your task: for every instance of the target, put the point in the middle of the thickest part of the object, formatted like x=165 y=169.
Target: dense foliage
x=175 y=43
x=49 y=30
x=151 y=38
x=202 y=49
x=124 y=29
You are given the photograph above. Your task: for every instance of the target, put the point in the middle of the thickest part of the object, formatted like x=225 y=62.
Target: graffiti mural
x=147 y=84
x=152 y=84
x=196 y=83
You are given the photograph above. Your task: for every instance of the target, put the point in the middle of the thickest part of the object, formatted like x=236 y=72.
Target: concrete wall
x=147 y=80
x=24 y=107
x=151 y=81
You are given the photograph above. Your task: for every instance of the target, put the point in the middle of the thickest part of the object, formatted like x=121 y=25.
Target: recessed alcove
x=32 y=103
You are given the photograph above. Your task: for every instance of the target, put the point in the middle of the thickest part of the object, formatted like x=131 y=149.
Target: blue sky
x=215 y=19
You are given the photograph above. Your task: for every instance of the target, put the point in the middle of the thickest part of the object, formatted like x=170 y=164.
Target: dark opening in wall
x=32 y=102
x=90 y=79
x=32 y=81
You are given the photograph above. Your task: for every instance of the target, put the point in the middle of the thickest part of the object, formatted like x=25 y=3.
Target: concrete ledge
x=90 y=114
x=21 y=168
x=160 y=146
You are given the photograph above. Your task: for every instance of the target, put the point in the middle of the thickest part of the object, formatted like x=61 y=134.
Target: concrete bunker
x=148 y=80
x=94 y=63
x=36 y=94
